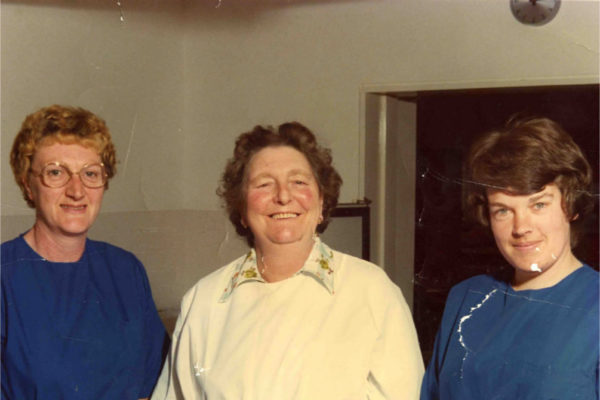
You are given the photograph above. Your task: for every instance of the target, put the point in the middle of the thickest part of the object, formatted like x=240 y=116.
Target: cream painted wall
x=177 y=81
x=130 y=73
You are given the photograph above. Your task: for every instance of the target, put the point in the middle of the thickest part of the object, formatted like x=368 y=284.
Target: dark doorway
x=449 y=249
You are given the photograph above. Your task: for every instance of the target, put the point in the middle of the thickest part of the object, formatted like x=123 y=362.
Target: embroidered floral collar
x=318 y=265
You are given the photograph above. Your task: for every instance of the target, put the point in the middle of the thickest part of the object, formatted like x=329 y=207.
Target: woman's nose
x=283 y=194
x=521 y=224
x=74 y=187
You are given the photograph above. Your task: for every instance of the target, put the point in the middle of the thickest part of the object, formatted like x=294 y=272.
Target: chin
x=526 y=266
x=286 y=238
x=75 y=230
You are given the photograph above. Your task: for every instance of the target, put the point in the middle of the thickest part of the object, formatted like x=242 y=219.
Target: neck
x=525 y=280
x=53 y=247
x=277 y=262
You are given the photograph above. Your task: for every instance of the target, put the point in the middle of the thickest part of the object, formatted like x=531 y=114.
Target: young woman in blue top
x=536 y=336
x=78 y=319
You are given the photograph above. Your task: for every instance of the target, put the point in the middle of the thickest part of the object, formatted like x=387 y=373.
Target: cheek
x=43 y=196
x=307 y=198
x=558 y=227
x=255 y=200
x=502 y=233
x=97 y=197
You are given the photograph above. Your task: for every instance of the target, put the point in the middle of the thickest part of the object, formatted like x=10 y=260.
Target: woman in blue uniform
x=78 y=319
x=534 y=337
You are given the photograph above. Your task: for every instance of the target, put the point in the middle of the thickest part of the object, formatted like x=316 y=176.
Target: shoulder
x=117 y=262
x=96 y=247
x=589 y=274
x=209 y=288
x=355 y=268
x=14 y=252
x=469 y=292
x=364 y=279
x=583 y=289
x=11 y=243
x=479 y=283
x=9 y=249
x=112 y=255
x=589 y=279
x=365 y=286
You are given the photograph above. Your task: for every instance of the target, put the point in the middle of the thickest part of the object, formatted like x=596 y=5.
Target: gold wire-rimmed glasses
x=56 y=175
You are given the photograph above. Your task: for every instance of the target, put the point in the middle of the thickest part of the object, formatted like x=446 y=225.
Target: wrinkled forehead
x=278 y=159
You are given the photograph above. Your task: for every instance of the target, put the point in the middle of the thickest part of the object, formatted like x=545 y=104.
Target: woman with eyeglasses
x=78 y=319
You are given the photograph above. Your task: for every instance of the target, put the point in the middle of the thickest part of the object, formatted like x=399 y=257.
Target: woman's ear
x=321 y=209
x=28 y=191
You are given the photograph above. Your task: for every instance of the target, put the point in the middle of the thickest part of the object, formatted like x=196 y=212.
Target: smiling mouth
x=73 y=208
x=527 y=246
x=284 y=215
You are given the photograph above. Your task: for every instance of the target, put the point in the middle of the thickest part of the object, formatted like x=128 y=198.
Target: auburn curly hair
x=60 y=124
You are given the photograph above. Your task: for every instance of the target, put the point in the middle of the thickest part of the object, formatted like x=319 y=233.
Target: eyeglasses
x=56 y=175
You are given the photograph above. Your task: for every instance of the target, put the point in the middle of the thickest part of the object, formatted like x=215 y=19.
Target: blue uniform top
x=498 y=343
x=78 y=330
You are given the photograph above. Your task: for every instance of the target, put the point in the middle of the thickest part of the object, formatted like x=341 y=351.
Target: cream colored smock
x=337 y=329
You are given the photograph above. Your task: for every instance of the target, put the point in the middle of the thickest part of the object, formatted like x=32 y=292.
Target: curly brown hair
x=60 y=124
x=522 y=158
x=232 y=188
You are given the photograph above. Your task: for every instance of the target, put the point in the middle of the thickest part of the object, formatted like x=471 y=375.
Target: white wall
x=177 y=81
x=130 y=73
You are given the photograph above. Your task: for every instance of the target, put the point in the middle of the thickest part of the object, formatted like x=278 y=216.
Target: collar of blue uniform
x=318 y=265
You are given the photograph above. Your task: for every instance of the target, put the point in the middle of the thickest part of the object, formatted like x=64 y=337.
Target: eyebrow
x=532 y=200
x=497 y=204
x=291 y=173
x=537 y=198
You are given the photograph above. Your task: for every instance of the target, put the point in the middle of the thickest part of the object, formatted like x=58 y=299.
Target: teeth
x=73 y=207
x=284 y=215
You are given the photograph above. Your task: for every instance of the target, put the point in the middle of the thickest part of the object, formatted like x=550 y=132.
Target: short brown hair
x=232 y=188
x=60 y=124
x=522 y=158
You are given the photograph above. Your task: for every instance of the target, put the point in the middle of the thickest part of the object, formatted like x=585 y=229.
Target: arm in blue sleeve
x=430 y=385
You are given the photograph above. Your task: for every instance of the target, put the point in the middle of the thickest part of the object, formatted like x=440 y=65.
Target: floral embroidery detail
x=318 y=265
x=241 y=275
x=325 y=265
x=250 y=273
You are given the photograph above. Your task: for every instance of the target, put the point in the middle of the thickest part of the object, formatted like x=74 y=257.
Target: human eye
x=300 y=179
x=262 y=184
x=540 y=205
x=54 y=172
x=92 y=173
x=500 y=213
x=54 y=175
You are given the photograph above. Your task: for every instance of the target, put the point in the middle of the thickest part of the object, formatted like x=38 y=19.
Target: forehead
x=66 y=153
x=280 y=159
x=506 y=197
x=94 y=142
